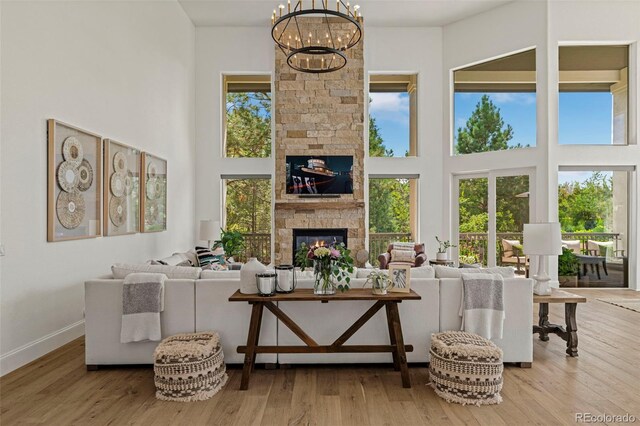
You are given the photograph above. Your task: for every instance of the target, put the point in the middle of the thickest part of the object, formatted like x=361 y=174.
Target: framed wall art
x=153 y=200
x=400 y=276
x=121 y=203
x=73 y=188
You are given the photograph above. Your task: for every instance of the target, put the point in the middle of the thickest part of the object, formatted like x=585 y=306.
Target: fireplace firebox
x=312 y=237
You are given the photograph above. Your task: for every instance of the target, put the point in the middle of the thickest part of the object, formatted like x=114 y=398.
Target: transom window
x=495 y=105
x=247 y=118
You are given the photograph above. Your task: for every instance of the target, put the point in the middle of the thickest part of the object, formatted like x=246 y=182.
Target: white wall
x=124 y=70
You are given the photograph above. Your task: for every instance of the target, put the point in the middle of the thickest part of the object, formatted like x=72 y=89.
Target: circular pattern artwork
x=85 y=175
x=70 y=209
x=118 y=210
x=117 y=185
x=120 y=163
x=152 y=170
x=68 y=176
x=72 y=150
x=152 y=187
x=128 y=183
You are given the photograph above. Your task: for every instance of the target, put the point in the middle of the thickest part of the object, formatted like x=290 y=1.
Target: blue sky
x=585 y=118
x=391 y=111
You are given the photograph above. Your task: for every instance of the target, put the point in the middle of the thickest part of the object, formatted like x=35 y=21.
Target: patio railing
x=477 y=242
x=257 y=245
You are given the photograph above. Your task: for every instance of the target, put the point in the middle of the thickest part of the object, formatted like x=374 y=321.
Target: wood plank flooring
x=604 y=379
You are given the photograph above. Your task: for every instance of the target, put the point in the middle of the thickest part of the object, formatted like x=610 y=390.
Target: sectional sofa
x=197 y=300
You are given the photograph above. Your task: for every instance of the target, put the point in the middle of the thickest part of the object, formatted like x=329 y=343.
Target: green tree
x=484 y=130
x=248 y=127
x=376 y=144
x=587 y=206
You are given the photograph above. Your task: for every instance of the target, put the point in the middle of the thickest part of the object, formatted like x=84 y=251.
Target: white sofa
x=202 y=304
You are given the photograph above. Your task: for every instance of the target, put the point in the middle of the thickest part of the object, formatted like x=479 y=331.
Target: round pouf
x=466 y=368
x=189 y=367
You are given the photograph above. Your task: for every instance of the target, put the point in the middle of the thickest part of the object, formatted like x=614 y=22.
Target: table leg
x=572 y=328
x=252 y=341
x=402 y=356
x=543 y=321
x=392 y=337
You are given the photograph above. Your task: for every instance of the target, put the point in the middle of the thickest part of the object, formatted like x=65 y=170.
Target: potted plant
x=331 y=266
x=380 y=282
x=568 y=267
x=232 y=242
x=443 y=247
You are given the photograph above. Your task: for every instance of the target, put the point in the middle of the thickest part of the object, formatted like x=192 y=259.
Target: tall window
x=593 y=211
x=393 y=115
x=593 y=99
x=495 y=105
x=247 y=121
x=392 y=213
x=247 y=204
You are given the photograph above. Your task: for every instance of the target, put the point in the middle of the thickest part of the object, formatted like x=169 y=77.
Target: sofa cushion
x=425 y=271
x=121 y=270
x=448 y=272
x=220 y=275
x=364 y=272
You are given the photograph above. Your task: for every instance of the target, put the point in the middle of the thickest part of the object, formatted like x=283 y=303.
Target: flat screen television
x=319 y=174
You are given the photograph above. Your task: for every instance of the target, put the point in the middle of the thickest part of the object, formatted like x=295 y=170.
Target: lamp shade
x=209 y=230
x=542 y=239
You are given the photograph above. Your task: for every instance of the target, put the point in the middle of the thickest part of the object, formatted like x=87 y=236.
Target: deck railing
x=477 y=242
x=257 y=245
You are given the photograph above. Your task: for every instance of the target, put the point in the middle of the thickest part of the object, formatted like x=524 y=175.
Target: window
x=392 y=115
x=392 y=213
x=247 y=118
x=247 y=204
x=593 y=211
x=495 y=105
x=593 y=99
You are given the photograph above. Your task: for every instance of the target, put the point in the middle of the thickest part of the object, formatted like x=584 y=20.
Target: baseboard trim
x=31 y=351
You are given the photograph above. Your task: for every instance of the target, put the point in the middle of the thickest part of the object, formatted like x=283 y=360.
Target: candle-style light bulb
x=348 y=8
x=288 y=6
x=337 y=5
x=281 y=7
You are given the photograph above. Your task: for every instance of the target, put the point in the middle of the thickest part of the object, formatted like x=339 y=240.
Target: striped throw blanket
x=482 y=307
x=142 y=302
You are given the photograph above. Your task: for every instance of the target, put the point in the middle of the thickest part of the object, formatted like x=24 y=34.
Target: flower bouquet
x=331 y=266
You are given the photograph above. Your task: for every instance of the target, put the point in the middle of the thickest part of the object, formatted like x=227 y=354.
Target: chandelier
x=316 y=45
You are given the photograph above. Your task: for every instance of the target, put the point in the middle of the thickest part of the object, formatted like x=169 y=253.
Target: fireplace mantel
x=315 y=205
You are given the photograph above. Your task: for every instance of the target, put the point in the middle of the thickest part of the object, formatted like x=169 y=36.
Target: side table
x=544 y=328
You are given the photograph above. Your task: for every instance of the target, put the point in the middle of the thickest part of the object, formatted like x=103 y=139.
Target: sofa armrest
x=384 y=259
x=421 y=259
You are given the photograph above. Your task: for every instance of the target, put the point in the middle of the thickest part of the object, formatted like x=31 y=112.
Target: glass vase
x=324 y=284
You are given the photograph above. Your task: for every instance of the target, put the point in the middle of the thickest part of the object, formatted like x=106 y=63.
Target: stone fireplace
x=319 y=114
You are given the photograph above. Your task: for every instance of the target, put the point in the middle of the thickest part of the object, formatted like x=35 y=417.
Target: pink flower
x=335 y=253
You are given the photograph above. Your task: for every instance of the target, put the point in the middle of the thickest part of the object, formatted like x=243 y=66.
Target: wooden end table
x=544 y=328
x=389 y=301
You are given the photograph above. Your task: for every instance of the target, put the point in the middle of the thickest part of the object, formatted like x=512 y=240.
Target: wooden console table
x=544 y=328
x=390 y=302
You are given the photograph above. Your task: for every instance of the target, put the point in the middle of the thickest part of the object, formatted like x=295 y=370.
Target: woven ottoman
x=466 y=368
x=189 y=367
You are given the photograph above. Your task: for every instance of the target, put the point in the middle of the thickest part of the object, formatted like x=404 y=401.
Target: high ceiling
x=387 y=13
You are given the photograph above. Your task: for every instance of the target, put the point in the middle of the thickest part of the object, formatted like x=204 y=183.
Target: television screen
x=324 y=174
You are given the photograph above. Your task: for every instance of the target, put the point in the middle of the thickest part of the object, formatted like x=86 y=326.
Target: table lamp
x=209 y=231
x=542 y=239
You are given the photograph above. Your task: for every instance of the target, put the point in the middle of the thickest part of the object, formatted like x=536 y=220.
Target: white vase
x=441 y=256
x=248 y=273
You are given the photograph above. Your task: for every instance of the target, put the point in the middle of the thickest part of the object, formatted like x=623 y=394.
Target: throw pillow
x=207 y=257
x=404 y=246
x=406 y=256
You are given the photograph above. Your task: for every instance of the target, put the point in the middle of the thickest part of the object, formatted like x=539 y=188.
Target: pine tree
x=484 y=130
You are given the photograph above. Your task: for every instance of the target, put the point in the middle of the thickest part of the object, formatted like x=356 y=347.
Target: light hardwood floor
x=604 y=379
